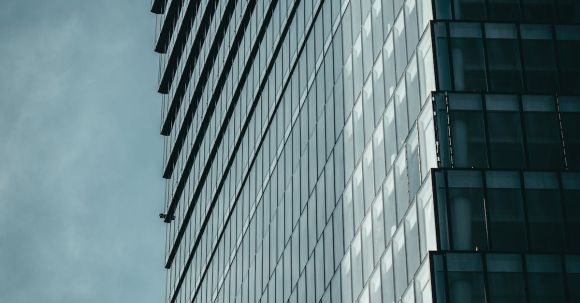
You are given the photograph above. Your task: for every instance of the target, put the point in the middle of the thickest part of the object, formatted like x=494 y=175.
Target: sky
x=80 y=153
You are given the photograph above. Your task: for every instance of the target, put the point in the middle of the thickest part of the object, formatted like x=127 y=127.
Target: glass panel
x=539 y=60
x=379 y=155
x=378 y=227
x=442 y=53
x=571 y=193
x=412 y=241
x=426 y=65
x=379 y=87
x=467 y=54
x=375 y=287
x=505 y=278
x=467 y=131
x=411 y=24
x=539 y=10
x=503 y=56
x=544 y=211
x=542 y=133
x=504 y=10
x=469 y=9
x=390 y=207
x=569 y=10
x=428 y=238
x=401 y=113
x=467 y=211
x=465 y=278
x=356 y=254
x=505 y=132
x=400 y=45
x=402 y=186
x=413 y=163
x=413 y=92
x=568 y=50
x=573 y=278
x=391 y=135
x=427 y=143
x=400 y=261
x=545 y=280
x=506 y=214
x=387 y=279
x=389 y=66
x=570 y=113
x=367 y=247
x=346 y=278
x=423 y=284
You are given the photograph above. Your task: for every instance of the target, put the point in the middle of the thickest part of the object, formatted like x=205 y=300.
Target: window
x=402 y=186
x=570 y=113
x=503 y=56
x=401 y=113
x=400 y=262
x=504 y=10
x=505 y=278
x=467 y=54
x=378 y=226
x=390 y=207
x=505 y=132
x=469 y=9
x=387 y=277
x=400 y=45
x=544 y=144
x=467 y=131
x=506 y=214
x=539 y=60
x=391 y=135
x=465 y=278
x=357 y=266
x=544 y=211
x=571 y=193
x=466 y=211
x=545 y=280
x=568 y=49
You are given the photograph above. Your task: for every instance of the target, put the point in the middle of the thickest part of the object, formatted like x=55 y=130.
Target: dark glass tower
x=371 y=150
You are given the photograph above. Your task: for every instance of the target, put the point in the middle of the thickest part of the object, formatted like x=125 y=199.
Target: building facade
x=371 y=150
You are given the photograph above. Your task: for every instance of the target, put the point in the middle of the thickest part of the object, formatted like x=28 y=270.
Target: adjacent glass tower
x=371 y=150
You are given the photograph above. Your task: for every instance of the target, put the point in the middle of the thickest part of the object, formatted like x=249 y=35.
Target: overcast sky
x=80 y=153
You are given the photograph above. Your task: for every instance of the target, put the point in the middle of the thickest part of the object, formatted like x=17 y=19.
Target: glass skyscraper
x=371 y=150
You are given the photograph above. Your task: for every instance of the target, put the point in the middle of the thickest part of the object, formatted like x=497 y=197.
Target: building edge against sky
x=371 y=151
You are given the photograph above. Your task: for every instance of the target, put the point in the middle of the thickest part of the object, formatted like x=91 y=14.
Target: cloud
x=80 y=178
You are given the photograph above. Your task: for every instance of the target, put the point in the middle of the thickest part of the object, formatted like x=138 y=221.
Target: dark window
x=505 y=278
x=539 y=10
x=544 y=144
x=467 y=131
x=573 y=278
x=568 y=50
x=569 y=10
x=506 y=213
x=539 y=60
x=442 y=56
x=545 y=281
x=571 y=193
x=466 y=210
x=504 y=10
x=544 y=212
x=469 y=9
x=465 y=278
x=467 y=53
x=503 y=57
x=570 y=113
x=505 y=132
